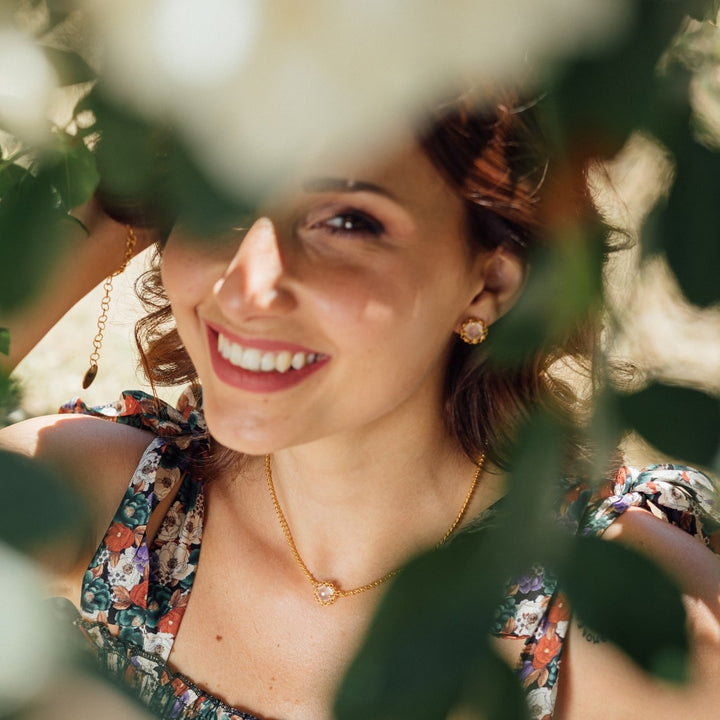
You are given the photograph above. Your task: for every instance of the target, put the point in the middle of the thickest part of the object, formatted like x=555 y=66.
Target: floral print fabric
x=138 y=589
x=536 y=610
x=134 y=593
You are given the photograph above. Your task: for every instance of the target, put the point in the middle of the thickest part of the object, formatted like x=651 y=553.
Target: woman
x=333 y=338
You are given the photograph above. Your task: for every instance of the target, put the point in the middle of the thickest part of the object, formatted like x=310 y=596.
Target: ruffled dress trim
x=165 y=693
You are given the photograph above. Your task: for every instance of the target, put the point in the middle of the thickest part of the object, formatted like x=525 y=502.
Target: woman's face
x=333 y=313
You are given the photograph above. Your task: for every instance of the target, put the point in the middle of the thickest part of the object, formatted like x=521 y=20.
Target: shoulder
x=98 y=449
x=94 y=456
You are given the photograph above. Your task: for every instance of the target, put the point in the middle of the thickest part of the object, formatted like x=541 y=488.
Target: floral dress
x=134 y=593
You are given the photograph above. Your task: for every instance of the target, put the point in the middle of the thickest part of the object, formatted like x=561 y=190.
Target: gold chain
x=327 y=592
x=130 y=242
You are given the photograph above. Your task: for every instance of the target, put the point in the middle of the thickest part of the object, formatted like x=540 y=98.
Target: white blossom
x=27 y=85
x=255 y=86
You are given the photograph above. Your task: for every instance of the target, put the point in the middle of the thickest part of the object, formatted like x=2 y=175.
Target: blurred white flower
x=27 y=630
x=27 y=84
x=255 y=85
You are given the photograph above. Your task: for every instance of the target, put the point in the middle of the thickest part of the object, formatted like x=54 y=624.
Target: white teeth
x=263 y=361
x=283 y=361
x=235 y=355
x=251 y=359
x=268 y=362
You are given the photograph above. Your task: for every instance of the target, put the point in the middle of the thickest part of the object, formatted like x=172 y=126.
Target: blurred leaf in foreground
x=563 y=286
x=429 y=638
x=689 y=224
x=31 y=232
x=602 y=579
x=72 y=172
x=43 y=509
x=682 y=422
x=4 y=341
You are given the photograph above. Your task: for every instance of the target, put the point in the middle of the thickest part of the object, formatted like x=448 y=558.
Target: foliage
x=427 y=651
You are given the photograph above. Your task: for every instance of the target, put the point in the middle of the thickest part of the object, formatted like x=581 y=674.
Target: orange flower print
x=138 y=595
x=170 y=621
x=559 y=610
x=130 y=405
x=119 y=537
x=546 y=649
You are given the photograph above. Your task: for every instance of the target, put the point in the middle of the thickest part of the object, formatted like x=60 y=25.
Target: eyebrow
x=332 y=184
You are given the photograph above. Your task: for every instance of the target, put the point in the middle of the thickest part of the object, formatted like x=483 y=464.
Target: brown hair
x=493 y=156
x=496 y=160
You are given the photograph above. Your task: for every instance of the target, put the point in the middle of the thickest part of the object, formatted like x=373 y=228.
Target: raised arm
x=87 y=260
x=599 y=682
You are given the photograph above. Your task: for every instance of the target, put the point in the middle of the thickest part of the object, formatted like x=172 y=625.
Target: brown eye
x=352 y=223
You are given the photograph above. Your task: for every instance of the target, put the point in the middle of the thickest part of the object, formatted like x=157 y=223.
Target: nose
x=254 y=281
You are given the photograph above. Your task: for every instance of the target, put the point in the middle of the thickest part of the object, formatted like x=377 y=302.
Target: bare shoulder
x=599 y=681
x=95 y=455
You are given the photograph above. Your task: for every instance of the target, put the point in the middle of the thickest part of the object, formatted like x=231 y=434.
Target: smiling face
x=333 y=313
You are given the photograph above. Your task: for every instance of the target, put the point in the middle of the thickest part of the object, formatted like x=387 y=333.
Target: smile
x=264 y=361
x=261 y=365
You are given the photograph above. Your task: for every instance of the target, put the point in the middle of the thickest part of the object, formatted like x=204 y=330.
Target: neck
x=357 y=511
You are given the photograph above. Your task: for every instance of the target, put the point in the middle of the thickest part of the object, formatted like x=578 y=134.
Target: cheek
x=361 y=303
x=186 y=274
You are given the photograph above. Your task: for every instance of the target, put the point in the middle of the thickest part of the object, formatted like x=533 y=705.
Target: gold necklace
x=327 y=592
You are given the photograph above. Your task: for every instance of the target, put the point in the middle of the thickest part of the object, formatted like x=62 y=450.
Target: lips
x=260 y=365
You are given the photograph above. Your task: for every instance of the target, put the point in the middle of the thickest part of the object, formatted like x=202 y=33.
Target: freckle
x=218 y=638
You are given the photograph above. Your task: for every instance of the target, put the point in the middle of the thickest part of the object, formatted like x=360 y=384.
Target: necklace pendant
x=326 y=593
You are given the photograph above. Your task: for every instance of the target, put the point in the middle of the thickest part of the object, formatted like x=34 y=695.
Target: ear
x=501 y=276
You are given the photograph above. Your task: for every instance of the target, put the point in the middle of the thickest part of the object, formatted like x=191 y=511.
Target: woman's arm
x=96 y=457
x=598 y=681
x=84 y=263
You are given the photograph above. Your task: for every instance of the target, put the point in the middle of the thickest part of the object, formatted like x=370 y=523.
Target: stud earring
x=90 y=375
x=473 y=331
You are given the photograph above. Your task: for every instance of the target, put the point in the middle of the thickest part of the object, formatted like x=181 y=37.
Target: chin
x=242 y=434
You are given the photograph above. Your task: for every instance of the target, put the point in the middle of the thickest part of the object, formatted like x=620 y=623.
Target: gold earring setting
x=473 y=331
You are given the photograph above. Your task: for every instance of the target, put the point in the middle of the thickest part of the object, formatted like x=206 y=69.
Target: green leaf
x=39 y=506
x=10 y=176
x=4 y=341
x=493 y=690
x=10 y=397
x=200 y=204
x=430 y=630
x=70 y=67
x=146 y=171
x=31 y=231
x=601 y=98
x=688 y=225
x=564 y=284
x=681 y=422
x=72 y=172
x=131 y=153
x=603 y=579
